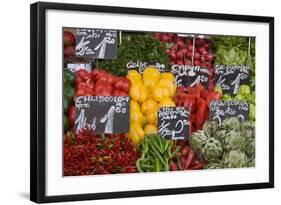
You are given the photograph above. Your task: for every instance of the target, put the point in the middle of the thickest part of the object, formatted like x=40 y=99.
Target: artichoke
x=235 y=159
x=231 y=123
x=234 y=141
x=220 y=134
x=213 y=165
x=248 y=130
x=251 y=148
x=252 y=162
x=210 y=127
x=212 y=149
x=197 y=140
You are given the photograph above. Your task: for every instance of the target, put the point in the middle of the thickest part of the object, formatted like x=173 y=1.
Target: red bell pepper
x=119 y=93
x=82 y=76
x=103 y=88
x=201 y=114
x=85 y=89
x=213 y=96
x=122 y=84
x=99 y=74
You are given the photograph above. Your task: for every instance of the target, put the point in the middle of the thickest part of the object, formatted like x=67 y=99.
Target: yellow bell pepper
x=147 y=105
x=138 y=92
x=150 y=129
x=134 y=106
x=134 y=76
x=150 y=77
x=136 y=133
x=166 y=102
x=168 y=76
x=136 y=117
x=168 y=84
x=151 y=116
x=159 y=92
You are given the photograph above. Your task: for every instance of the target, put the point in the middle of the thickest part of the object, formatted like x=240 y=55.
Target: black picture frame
x=38 y=100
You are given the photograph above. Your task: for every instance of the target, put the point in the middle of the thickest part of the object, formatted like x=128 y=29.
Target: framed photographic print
x=129 y=102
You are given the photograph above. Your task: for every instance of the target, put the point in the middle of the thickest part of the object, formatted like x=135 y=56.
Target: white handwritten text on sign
x=220 y=110
x=103 y=114
x=96 y=43
x=186 y=75
x=230 y=77
x=173 y=123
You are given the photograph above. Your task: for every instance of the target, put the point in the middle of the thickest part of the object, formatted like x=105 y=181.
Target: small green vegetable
x=212 y=149
x=235 y=159
x=230 y=145
x=156 y=154
x=135 y=47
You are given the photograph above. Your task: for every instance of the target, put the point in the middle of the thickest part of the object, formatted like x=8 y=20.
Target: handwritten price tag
x=140 y=66
x=103 y=114
x=230 y=77
x=220 y=110
x=173 y=123
x=186 y=75
x=96 y=43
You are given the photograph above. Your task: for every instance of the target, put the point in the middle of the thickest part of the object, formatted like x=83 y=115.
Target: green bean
x=157 y=153
x=153 y=143
x=139 y=166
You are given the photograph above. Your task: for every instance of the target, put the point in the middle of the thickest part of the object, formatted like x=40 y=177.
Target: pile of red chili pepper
x=86 y=153
x=197 y=100
x=185 y=158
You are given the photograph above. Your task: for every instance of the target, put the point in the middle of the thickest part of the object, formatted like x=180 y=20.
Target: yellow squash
x=136 y=133
x=169 y=85
x=159 y=92
x=134 y=77
x=138 y=92
x=168 y=76
x=151 y=116
x=150 y=77
x=147 y=105
x=150 y=129
x=166 y=102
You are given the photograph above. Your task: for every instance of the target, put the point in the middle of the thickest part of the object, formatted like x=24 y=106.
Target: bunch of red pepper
x=196 y=99
x=101 y=83
x=185 y=158
x=87 y=154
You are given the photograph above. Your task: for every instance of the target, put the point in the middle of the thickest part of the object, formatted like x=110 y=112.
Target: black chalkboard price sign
x=104 y=114
x=173 y=123
x=140 y=66
x=96 y=43
x=230 y=77
x=220 y=110
x=187 y=75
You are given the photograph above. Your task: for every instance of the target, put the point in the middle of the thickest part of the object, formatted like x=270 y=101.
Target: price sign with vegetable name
x=140 y=66
x=173 y=123
x=186 y=75
x=96 y=43
x=220 y=110
x=230 y=77
x=104 y=114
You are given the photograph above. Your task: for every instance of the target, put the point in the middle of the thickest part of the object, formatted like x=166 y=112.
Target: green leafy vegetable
x=134 y=47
